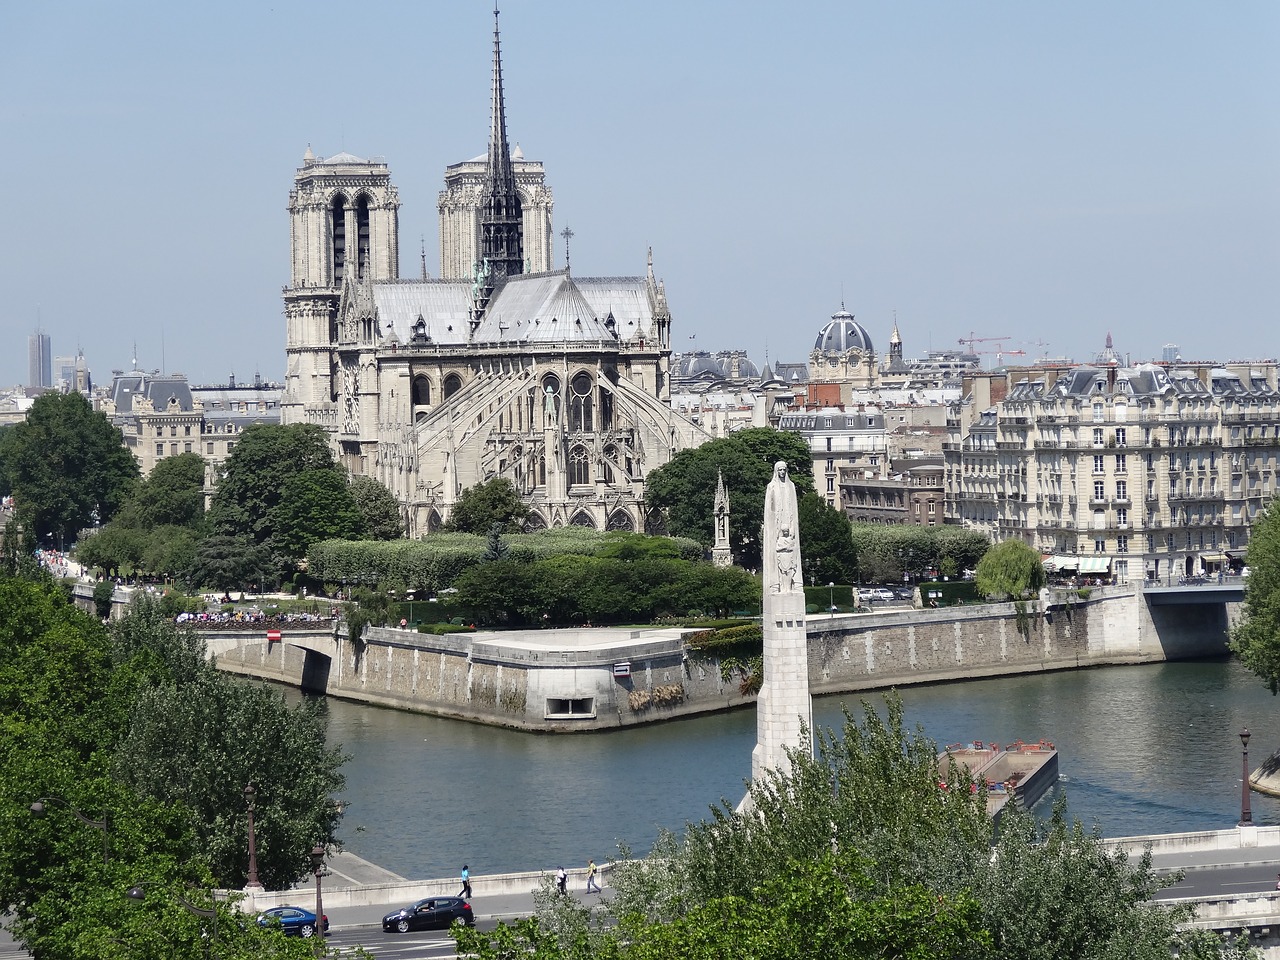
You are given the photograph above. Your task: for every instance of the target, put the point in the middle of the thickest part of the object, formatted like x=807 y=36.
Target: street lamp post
x=38 y=810
x=831 y=598
x=252 y=884
x=317 y=864
x=1246 y=813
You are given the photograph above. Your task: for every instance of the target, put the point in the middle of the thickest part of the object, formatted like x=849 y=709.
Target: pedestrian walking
x=466 y=882
x=562 y=881
x=592 y=886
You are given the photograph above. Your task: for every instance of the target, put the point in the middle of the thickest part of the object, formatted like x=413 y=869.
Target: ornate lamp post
x=317 y=864
x=831 y=598
x=38 y=810
x=1246 y=814
x=250 y=791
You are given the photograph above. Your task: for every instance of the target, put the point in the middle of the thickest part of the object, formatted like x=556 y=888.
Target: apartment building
x=1152 y=470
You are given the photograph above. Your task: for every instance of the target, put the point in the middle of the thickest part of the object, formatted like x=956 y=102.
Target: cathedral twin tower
x=501 y=367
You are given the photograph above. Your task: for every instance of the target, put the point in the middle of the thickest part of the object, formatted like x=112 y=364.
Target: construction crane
x=971 y=340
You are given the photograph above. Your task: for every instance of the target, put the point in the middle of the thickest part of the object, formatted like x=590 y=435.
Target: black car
x=434 y=913
x=295 y=921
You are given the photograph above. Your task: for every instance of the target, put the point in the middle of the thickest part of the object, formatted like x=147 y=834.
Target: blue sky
x=1042 y=172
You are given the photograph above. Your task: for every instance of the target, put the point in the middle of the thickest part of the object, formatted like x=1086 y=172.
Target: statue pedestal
x=784 y=705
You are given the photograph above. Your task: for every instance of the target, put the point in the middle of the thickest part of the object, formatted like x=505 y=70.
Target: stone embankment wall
x=574 y=686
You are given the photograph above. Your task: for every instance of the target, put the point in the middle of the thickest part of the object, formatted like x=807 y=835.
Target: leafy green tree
x=67 y=467
x=379 y=509
x=1255 y=638
x=867 y=848
x=314 y=505
x=1010 y=569
x=229 y=563
x=684 y=489
x=481 y=506
x=171 y=495
x=114 y=548
x=104 y=592
x=826 y=542
x=170 y=551
x=255 y=475
x=69 y=693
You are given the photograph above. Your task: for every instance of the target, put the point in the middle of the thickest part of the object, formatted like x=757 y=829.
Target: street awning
x=1095 y=564
x=1059 y=562
x=1213 y=557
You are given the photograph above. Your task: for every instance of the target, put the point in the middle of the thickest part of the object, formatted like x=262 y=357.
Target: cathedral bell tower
x=343 y=223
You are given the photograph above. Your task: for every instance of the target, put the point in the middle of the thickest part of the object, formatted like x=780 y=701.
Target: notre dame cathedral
x=503 y=367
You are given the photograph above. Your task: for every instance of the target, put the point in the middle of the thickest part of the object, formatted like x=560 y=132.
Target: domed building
x=843 y=353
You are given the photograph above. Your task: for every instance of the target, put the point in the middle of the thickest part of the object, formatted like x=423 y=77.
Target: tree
x=77 y=702
x=826 y=542
x=379 y=509
x=1255 y=638
x=481 y=506
x=228 y=563
x=684 y=489
x=315 y=504
x=67 y=466
x=255 y=474
x=866 y=848
x=171 y=495
x=1010 y=569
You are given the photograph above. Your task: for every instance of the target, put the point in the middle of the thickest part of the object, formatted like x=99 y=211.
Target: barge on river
x=1021 y=772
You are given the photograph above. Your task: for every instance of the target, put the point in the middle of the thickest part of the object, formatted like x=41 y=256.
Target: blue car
x=295 y=921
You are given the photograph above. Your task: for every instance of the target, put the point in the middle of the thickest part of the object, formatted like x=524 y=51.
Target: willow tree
x=1010 y=569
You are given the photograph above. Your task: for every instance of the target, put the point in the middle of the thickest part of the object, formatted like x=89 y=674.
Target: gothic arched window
x=579 y=466
x=339 y=234
x=452 y=384
x=580 y=404
x=362 y=235
x=610 y=458
x=421 y=391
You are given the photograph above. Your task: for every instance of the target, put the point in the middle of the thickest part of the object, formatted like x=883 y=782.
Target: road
x=1228 y=872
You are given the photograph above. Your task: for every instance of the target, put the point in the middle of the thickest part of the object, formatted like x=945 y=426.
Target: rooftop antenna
x=423 y=239
x=568 y=235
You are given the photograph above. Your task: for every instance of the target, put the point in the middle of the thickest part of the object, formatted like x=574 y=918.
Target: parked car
x=434 y=913
x=295 y=921
x=878 y=593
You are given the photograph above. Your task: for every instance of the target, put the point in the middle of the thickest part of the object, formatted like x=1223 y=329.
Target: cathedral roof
x=543 y=307
x=443 y=306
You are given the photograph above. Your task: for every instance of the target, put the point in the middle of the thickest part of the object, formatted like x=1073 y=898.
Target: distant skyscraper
x=64 y=373
x=39 y=361
x=1170 y=353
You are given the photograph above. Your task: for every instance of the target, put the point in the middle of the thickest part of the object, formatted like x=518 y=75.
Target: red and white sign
x=273 y=636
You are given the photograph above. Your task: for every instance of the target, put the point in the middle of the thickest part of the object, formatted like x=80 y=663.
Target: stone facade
x=1150 y=471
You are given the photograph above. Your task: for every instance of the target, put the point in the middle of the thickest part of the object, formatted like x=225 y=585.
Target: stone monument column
x=784 y=706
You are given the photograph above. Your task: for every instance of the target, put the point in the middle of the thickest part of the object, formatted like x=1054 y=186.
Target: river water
x=1142 y=749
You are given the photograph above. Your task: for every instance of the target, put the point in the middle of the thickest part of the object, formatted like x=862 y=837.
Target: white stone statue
x=781 y=535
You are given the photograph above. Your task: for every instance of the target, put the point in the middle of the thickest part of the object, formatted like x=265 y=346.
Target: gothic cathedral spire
x=501 y=216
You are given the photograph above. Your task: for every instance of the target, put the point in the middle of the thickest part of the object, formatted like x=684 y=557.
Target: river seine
x=1145 y=749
